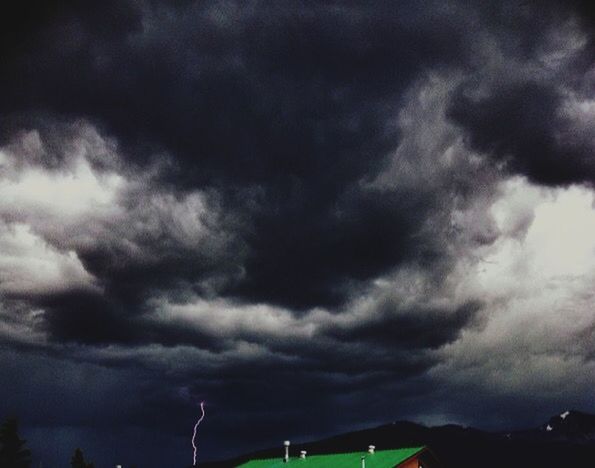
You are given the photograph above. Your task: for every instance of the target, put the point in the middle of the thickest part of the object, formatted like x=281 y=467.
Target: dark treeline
x=14 y=453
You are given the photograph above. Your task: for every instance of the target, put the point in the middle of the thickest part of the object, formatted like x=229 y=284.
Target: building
x=414 y=457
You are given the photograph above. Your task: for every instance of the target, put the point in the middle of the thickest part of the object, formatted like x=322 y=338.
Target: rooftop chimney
x=371 y=448
x=303 y=454
x=286 y=444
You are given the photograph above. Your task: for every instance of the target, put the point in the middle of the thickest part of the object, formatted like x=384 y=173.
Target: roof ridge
x=418 y=447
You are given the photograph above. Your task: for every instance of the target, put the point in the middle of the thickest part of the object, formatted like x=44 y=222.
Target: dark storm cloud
x=310 y=254
x=170 y=255
x=425 y=328
x=283 y=110
x=280 y=108
x=521 y=126
x=84 y=317
x=517 y=112
x=240 y=94
x=93 y=319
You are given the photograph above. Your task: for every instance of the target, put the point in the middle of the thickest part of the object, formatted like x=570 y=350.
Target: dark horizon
x=314 y=216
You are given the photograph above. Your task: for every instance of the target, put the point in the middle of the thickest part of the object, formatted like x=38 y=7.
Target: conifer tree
x=13 y=453
x=78 y=460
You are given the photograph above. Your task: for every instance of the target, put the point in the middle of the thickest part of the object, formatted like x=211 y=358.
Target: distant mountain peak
x=572 y=424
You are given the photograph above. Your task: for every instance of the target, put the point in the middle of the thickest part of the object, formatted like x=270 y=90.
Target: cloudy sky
x=315 y=216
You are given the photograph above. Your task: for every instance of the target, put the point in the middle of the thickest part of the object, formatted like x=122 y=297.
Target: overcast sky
x=315 y=216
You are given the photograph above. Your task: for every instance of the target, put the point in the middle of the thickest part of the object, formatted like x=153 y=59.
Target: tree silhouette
x=13 y=453
x=78 y=460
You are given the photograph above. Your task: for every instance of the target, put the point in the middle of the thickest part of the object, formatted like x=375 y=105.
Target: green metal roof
x=379 y=459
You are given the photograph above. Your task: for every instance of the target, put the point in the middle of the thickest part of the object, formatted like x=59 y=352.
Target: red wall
x=413 y=463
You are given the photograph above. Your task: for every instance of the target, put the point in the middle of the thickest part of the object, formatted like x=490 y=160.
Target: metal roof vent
x=371 y=448
x=286 y=444
x=303 y=454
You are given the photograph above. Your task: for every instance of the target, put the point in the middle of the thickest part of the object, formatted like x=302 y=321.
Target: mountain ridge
x=569 y=441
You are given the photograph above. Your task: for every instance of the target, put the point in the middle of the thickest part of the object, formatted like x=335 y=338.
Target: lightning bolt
x=202 y=409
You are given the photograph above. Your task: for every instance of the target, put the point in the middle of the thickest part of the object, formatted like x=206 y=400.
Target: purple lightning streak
x=202 y=409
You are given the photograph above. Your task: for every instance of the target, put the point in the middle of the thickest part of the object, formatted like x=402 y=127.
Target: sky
x=314 y=216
